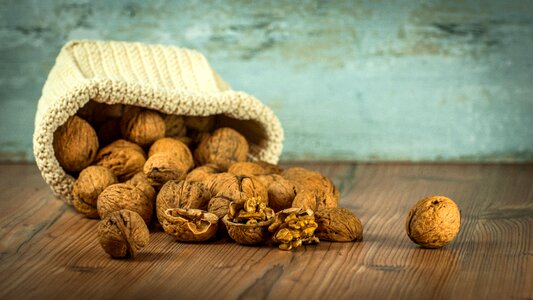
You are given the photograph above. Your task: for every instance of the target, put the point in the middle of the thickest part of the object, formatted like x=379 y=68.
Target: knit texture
x=164 y=78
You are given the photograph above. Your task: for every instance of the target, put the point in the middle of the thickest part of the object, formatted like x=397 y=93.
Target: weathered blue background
x=365 y=80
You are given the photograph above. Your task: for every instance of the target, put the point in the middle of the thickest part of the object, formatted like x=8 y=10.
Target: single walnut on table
x=293 y=227
x=338 y=225
x=75 y=144
x=433 y=222
x=189 y=224
x=91 y=182
x=122 y=233
x=247 y=222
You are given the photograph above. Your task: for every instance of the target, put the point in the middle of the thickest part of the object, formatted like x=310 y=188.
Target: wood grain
x=49 y=251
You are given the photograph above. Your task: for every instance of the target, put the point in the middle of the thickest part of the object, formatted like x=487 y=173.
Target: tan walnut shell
x=237 y=188
x=200 y=123
x=123 y=158
x=75 y=144
x=90 y=183
x=204 y=174
x=174 y=126
x=246 y=168
x=314 y=191
x=123 y=233
x=338 y=225
x=142 y=182
x=181 y=194
x=433 y=222
x=124 y=196
x=248 y=234
x=168 y=144
x=189 y=225
x=224 y=147
x=281 y=192
x=142 y=126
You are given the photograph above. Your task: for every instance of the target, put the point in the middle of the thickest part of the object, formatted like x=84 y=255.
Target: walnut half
x=189 y=225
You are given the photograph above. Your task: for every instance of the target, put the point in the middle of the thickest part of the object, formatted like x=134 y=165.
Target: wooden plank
x=49 y=251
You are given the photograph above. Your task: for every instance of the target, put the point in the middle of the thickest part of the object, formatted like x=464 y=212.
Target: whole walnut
x=219 y=206
x=433 y=222
x=141 y=181
x=122 y=233
x=189 y=225
x=124 y=196
x=75 y=144
x=199 y=123
x=162 y=167
x=172 y=145
x=338 y=225
x=224 y=147
x=247 y=168
x=181 y=194
x=281 y=193
x=142 y=126
x=97 y=113
x=204 y=174
x=237 y=188
x=174 y=126
x=124 y=158
x=313 y=190
x=86 y=189
x=109 y=132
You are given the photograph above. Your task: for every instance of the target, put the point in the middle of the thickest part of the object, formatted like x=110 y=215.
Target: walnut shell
x=199 y=123
x=313 y=187
x=90 y=183
x=122 y=233
x=433 y=222
x=338 y=225
x=123 y=158
x=142 y=126
x=281 y=193
x=181 y=194
x=219 y=206
x=174 y=126
x=175 y=146
x=141 y=181
x=248 y=234
x=165 y=166
x=270 y=168
x=204 y=174
x=124 y=196
x=237 y=188
x=75 y=144
x=246 y=168
x=224 y=147
x=189 y=225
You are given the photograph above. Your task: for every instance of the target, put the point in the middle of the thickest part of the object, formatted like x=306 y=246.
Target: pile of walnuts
x=137 y=168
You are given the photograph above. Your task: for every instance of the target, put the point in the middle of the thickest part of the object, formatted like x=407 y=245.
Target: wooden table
x=47 y=250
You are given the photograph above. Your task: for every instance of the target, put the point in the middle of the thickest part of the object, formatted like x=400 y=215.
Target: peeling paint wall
x=365 y=80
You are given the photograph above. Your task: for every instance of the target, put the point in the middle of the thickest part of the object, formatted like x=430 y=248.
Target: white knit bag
x=164 y=78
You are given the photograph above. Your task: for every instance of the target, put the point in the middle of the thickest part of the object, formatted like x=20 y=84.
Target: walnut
x=96 y=112
x=338 y=225
x=433 y=222
x=124 y=158
x=204 y=174
x=189 y=225
x=141 y=181
x=174 y=126
x=225 y=147
x=237 y=188
x=165 y=166
x=75 y=144
x=122 y=233
x=90 y=183
x=293 y=227
x=199 y=123
x=109 y=131
x=313 y=190
x=270 y=168
x=142 y=126
x=219 y=206
x=124 y=196
x=181 y=194
x=247 y=169
x=247 y=222
x=173 y=145
x=281 y=193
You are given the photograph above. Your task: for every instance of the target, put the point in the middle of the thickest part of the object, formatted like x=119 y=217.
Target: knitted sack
x=164 y=78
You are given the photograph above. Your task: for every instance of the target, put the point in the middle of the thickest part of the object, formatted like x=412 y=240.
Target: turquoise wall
x=365 y=80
